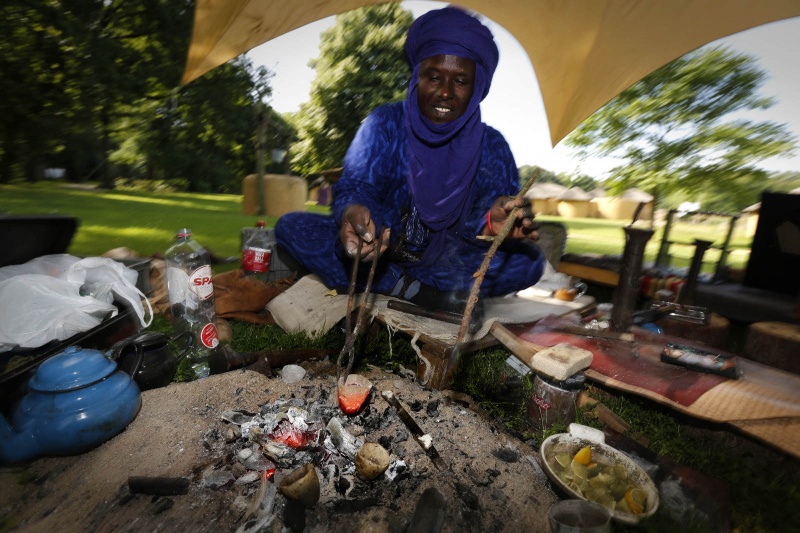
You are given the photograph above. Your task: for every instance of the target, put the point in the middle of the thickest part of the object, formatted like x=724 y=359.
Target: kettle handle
x=116 y=351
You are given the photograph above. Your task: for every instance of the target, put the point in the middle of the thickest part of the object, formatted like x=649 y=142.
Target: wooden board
x=600 y=276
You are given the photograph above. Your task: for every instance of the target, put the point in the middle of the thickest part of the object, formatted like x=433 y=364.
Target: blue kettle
x=76 y=400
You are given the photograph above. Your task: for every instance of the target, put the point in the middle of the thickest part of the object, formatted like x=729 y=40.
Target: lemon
x=622 y=506
x=563 y=459
x=575 y=488
x=579 y=470
x=636 y=500
x=584 y=456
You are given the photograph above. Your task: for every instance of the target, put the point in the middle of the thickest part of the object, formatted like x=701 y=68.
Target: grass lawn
x=765 y=494
x=606 y=237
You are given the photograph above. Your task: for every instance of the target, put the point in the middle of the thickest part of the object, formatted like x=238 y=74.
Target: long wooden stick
x=480 y=274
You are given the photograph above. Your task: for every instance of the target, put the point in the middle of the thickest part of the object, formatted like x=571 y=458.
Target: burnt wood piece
x=415 y=430
x=158 y=486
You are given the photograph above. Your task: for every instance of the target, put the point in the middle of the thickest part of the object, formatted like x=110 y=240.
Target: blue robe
x=375 y=175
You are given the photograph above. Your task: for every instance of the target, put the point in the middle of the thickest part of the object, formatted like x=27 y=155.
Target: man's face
x=445 y=87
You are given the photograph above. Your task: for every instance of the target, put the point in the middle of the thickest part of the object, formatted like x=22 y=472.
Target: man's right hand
x=357 y=224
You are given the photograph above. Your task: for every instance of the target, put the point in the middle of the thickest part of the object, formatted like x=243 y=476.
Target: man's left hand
x=524 y=226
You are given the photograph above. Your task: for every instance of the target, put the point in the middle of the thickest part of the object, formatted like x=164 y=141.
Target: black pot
x=158 y=364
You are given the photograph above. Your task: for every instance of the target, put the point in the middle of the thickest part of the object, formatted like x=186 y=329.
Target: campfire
x=306 y=460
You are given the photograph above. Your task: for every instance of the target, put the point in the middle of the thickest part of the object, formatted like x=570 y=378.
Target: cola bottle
x=191 y=298
x=257 y=253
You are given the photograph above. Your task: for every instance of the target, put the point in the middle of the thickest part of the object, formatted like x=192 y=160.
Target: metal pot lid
x=73 y=368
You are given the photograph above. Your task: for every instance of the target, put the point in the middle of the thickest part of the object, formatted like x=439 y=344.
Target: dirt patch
x=490 y=483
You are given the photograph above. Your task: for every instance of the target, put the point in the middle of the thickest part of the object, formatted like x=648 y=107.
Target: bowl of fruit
x=583 y=466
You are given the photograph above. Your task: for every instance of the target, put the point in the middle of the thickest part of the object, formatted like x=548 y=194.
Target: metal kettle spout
x=16 y=446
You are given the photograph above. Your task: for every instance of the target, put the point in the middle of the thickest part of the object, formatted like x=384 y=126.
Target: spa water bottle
x=191 y=297
x=257 y=252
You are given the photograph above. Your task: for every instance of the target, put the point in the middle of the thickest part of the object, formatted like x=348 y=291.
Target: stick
x=415 y=430
x=600 y=334
x=480 y=274
x=350 y=339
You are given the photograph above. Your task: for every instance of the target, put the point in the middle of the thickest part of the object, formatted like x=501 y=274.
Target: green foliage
x=204 y=136
x=91 y=86
x=361 y=65
x=74 y=69
x=587 y=183
x=545 y=176
x=676 y=130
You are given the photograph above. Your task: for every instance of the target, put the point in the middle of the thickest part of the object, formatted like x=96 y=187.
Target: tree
x=545 y=176
x=71 y=69
x=203 y=138
x=361 y=65
x=92 y=86
x=677 y=129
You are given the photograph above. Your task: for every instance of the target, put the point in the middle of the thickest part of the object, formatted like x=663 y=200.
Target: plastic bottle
x=257 y=253
x=191 y=297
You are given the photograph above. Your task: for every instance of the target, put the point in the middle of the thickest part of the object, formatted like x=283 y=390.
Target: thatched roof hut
x=574 y=203
x=544 y=196
x=623 y=207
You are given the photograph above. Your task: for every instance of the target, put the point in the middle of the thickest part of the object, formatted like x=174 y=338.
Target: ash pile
x=407 y=459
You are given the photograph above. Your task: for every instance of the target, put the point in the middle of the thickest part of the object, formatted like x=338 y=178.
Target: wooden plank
x=600 y=276
x=521 y=349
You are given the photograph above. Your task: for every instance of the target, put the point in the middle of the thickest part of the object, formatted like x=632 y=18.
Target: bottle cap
x=260 y=224
x=183 y=233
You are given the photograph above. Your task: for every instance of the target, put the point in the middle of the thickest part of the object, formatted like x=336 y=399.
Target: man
x=432 y=177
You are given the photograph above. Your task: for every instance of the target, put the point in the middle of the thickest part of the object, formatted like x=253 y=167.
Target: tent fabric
x=583 y=53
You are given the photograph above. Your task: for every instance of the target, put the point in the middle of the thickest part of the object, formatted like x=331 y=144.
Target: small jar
x=553 y=401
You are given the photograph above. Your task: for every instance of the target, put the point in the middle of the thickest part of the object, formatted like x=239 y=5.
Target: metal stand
x=627 y=291
x=688 y=291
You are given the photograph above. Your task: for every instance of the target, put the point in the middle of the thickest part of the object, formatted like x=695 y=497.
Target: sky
x=514 y=105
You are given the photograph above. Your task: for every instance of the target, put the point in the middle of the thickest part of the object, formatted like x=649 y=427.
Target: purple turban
x=444 y=158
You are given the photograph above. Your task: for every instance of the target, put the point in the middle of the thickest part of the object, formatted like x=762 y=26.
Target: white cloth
x=309 y=306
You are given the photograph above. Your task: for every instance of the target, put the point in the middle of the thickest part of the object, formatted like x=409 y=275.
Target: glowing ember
x=293 y=433
x=353 y=393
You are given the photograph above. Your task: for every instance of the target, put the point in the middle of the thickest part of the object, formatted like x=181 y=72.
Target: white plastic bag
x=36 y=309
x=56 y=296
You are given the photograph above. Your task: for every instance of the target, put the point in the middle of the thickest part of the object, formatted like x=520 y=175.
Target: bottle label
x=543 y=404
x=208 y=336
x=256 y=259
x=201 y=282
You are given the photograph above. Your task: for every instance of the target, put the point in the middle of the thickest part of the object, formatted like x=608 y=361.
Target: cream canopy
x=584 y=52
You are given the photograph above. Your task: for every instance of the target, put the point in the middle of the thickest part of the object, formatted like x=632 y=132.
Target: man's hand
x=357 y=224
x=524 y=226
